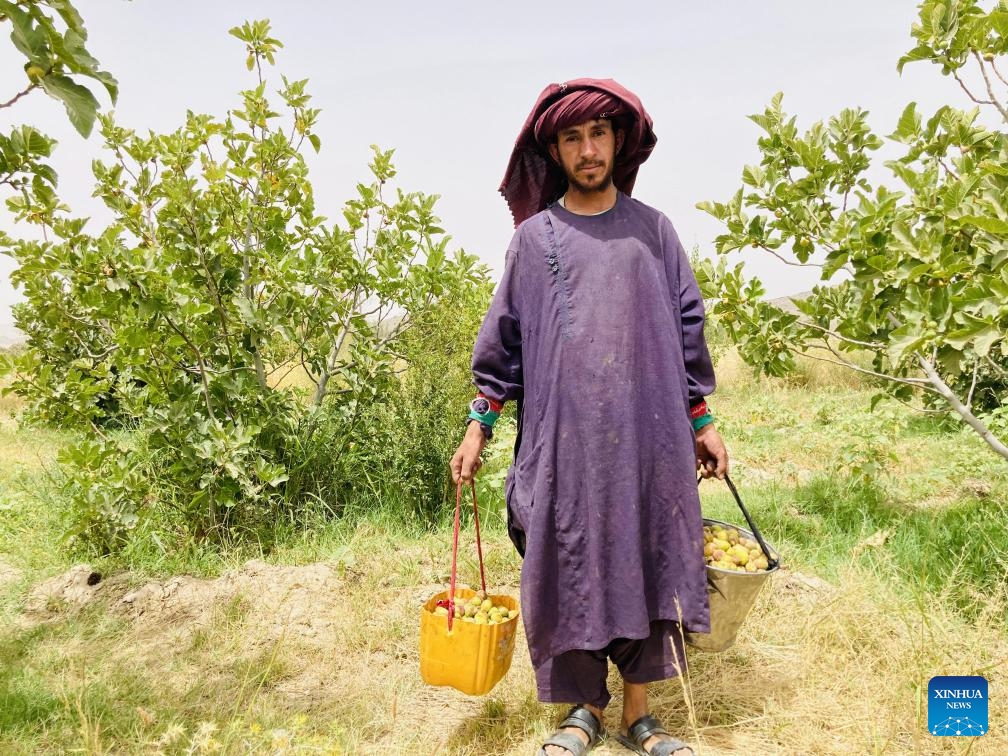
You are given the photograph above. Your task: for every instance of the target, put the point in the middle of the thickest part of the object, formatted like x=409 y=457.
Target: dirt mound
x=299 y=601
x=270 y=601
x=72 y=590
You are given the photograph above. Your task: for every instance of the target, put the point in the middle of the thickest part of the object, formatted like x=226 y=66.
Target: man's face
x=587 y=153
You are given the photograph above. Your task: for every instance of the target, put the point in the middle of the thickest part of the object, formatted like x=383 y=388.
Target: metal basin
x=731 y=595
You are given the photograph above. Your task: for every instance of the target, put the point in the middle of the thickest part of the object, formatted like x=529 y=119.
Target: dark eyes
x=595 y=134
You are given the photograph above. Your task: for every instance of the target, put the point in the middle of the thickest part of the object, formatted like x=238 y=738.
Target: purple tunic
x=596 y=330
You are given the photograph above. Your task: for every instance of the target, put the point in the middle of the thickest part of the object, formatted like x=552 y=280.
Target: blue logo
x=957 y=705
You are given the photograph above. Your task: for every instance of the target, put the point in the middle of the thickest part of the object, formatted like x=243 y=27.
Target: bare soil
x=308 y=608
x=343 y=648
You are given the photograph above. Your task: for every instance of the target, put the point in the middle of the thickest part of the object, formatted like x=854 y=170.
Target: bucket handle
x=455 y=538
x=771 y=562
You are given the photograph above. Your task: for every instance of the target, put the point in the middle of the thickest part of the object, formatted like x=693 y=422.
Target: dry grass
x=290 y=375
x=824 y=670
x=819 y=669
x=809 y=372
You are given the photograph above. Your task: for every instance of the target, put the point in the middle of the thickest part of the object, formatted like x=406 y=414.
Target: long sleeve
x=497 y=356
x=699 y=368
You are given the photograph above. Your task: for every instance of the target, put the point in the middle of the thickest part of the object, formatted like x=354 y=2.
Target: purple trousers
x=579 y=677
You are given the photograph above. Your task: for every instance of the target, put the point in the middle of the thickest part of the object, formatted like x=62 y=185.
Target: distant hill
x=9 y=334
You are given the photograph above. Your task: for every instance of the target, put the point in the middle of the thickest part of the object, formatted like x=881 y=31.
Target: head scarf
x=533 y=180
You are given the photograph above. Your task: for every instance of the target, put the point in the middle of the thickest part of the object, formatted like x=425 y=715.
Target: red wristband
x=698 y=410
x=495 y=406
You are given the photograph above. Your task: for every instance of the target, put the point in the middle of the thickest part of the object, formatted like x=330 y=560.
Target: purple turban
x=533 y=180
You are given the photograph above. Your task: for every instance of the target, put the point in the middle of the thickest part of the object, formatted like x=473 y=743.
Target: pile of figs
x=478 y=608
x=728 y=549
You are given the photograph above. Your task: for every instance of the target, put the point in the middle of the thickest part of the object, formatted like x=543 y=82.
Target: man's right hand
x=466 y=461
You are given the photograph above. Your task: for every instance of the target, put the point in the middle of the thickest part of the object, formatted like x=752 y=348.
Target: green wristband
x=701 y=421
x=488 y=418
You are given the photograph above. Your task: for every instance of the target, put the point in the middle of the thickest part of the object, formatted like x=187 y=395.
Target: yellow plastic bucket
x=470 y=658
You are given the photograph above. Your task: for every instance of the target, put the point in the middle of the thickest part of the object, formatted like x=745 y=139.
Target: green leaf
x=921 y=52
x=27 y=37
x=971 y=329
x=902 y=341
x=876 y=399
x=986 y=222
x=81 y=106
x=999 y=21
x=109 y=82
x=909 y=124
x=986 y=339
x=315 y=141
x=709 y=207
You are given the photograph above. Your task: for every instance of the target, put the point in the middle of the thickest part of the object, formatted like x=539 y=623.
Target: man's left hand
x=712 y=456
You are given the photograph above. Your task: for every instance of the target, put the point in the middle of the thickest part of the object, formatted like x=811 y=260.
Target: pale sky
x=448 y=85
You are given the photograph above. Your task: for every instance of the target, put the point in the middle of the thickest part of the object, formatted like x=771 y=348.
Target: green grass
x=880 y=505
x=26 y=702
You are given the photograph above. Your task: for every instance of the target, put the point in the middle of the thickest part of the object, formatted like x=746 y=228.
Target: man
x=596 y=332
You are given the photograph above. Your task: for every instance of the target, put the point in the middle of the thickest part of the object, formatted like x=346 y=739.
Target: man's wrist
x=478 y=429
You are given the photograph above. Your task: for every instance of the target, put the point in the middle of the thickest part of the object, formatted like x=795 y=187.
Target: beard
x=599 y=185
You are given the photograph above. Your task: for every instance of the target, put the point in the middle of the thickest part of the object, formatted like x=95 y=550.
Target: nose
x=588 y=147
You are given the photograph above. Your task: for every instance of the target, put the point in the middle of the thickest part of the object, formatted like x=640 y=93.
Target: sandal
x=582 y=718
x=643 y=729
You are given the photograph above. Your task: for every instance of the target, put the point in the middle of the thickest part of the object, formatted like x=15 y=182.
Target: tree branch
x=969 y=94
x=213 y=286
x=948 y=170
x=998 y=73
x=839 y=360
x=323 y=381
x=18 y=96
x=246 y=275
x=200 y=362
x=784 y=260
x=294 y=365
x=923 y=410
x=308 y=372
x=997 y=367
x=990 y=91
x=841 y=337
